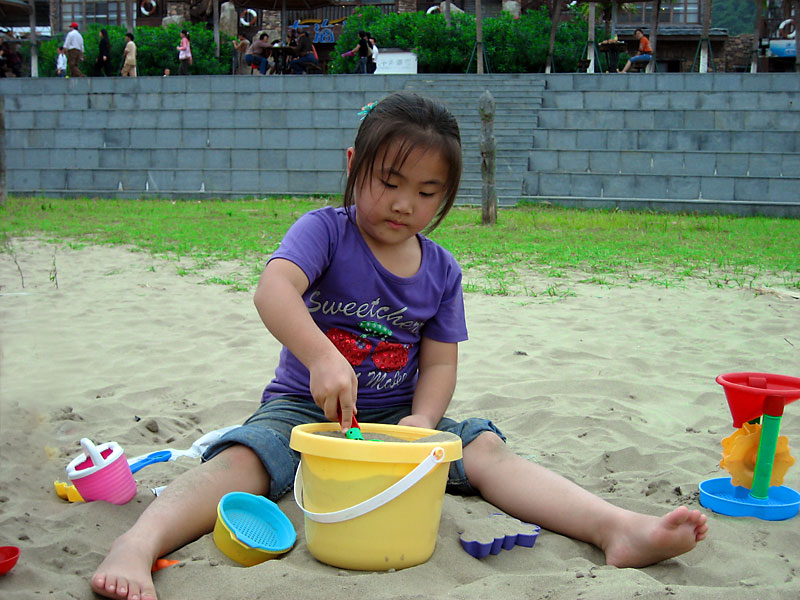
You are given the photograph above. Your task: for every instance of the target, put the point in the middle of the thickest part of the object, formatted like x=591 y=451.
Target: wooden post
x=3 y=192
x=479 y=36
x=488 y=155
x=651 y=67
x=216 y=26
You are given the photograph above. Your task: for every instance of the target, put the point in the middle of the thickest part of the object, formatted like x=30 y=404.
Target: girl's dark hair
x=130 y=35
x=186 y=33
x=416 y=122
x=104 y=33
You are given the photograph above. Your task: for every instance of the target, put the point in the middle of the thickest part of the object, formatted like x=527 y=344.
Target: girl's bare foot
x=641 y=540
x=125 y=572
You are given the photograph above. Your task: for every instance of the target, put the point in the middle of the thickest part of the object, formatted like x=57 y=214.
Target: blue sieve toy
x=251 y=529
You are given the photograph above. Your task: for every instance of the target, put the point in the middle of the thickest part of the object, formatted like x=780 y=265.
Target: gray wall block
x=158 y=135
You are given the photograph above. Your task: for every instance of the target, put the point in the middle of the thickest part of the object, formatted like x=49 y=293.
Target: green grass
x=560 y=248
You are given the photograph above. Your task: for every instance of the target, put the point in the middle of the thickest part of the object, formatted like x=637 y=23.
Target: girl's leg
x=186 y=510
x=534 y=494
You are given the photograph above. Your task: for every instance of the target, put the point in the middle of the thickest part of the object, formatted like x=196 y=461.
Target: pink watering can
x=102 y=473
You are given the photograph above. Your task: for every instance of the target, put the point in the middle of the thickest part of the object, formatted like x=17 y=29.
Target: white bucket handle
x=426 y=466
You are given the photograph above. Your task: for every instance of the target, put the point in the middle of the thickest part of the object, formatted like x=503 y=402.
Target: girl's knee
x=486 y=442
x=482 y=455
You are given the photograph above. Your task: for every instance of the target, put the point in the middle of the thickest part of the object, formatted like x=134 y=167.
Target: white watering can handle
x=92 y=452
x=426 y=466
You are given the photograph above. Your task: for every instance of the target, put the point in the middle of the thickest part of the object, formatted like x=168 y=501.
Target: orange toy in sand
x=740 y=453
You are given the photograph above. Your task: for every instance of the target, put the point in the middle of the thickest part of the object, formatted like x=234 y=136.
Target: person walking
x=364 y=52
x=102 y=65
x=129 y=57
x=185 y=53
x=73 y=44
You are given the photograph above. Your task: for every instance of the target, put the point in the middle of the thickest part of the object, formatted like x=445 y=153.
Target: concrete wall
x=225 y=136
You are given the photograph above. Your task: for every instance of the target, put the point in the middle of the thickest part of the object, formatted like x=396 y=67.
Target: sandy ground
x=613 y=387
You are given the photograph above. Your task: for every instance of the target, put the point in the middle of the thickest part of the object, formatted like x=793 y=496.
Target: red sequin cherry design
x=354 y=348
x=388 y=356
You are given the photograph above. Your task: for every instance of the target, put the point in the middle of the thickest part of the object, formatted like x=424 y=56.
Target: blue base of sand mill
x=722 y=497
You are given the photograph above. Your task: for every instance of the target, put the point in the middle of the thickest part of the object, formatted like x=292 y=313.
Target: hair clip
x=365 y=110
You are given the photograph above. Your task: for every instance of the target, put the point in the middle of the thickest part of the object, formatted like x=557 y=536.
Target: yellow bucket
x=371 y=505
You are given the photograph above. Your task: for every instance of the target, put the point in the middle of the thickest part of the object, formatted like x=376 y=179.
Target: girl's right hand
x=333 y=385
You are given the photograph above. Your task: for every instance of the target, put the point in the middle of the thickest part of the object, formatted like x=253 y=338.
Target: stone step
x=665 y=139
x=644 y=119
x=777 y=99
x=686 y=187
x=172 y=182
x=662 y=205
x=740 y=164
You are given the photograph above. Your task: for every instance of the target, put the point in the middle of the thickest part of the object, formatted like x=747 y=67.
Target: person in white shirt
x=61 y=62
x=73 y=44
x=372 y=65
x=129 y=57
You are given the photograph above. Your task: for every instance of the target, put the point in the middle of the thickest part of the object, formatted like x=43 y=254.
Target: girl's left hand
x=417 y=421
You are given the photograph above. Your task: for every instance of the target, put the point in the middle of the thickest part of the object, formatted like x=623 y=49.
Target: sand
x=612 y=387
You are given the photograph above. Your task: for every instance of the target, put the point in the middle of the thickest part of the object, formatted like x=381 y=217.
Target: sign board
x=783 y=48
x=395 y=61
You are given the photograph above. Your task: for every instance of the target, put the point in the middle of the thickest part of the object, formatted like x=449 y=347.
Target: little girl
x=184 y=53
x=370 y=313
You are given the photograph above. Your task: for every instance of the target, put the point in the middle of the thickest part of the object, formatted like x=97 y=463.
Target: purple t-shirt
x=375 y=318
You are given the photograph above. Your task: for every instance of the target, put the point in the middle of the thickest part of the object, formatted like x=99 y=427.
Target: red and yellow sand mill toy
x=755 y=455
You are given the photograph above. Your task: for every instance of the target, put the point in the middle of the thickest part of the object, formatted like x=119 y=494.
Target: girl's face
x=396 y=203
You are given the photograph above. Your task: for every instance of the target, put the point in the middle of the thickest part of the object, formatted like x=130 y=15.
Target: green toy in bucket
x=750 y=396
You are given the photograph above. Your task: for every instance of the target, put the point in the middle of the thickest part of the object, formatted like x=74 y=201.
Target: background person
x=644 y=54
x=184 y=53
x=61 y=62
x=305 y=54
x=240 y=46
x=363 y=50
x=129 y=57
x=258 y=52
x=73 y=44
x=102 y=66
x=372 y=65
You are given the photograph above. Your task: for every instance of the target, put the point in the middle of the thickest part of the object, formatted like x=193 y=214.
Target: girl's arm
x=279 y=301
x=438 y=362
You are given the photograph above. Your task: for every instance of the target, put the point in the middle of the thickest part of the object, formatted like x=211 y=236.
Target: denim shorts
x=267 y=434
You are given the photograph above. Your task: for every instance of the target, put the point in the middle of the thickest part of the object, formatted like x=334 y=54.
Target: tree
x=556 y=17
x=651 y=67
x=705 y=42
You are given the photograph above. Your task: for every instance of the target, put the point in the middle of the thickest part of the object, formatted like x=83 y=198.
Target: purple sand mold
x=506 y=542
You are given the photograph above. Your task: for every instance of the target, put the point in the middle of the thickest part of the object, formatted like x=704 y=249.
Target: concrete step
x=172 y=182
x=662 y=205
x=666 y=139
x=740 y=164
x=671 y=187
x=644 y=119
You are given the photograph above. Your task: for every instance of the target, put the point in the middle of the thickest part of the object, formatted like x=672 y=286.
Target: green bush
x=155 y=50
x=512 y=45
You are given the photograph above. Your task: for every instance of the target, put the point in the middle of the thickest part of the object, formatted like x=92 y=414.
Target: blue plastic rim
x=722 y=497
x=257 y=522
